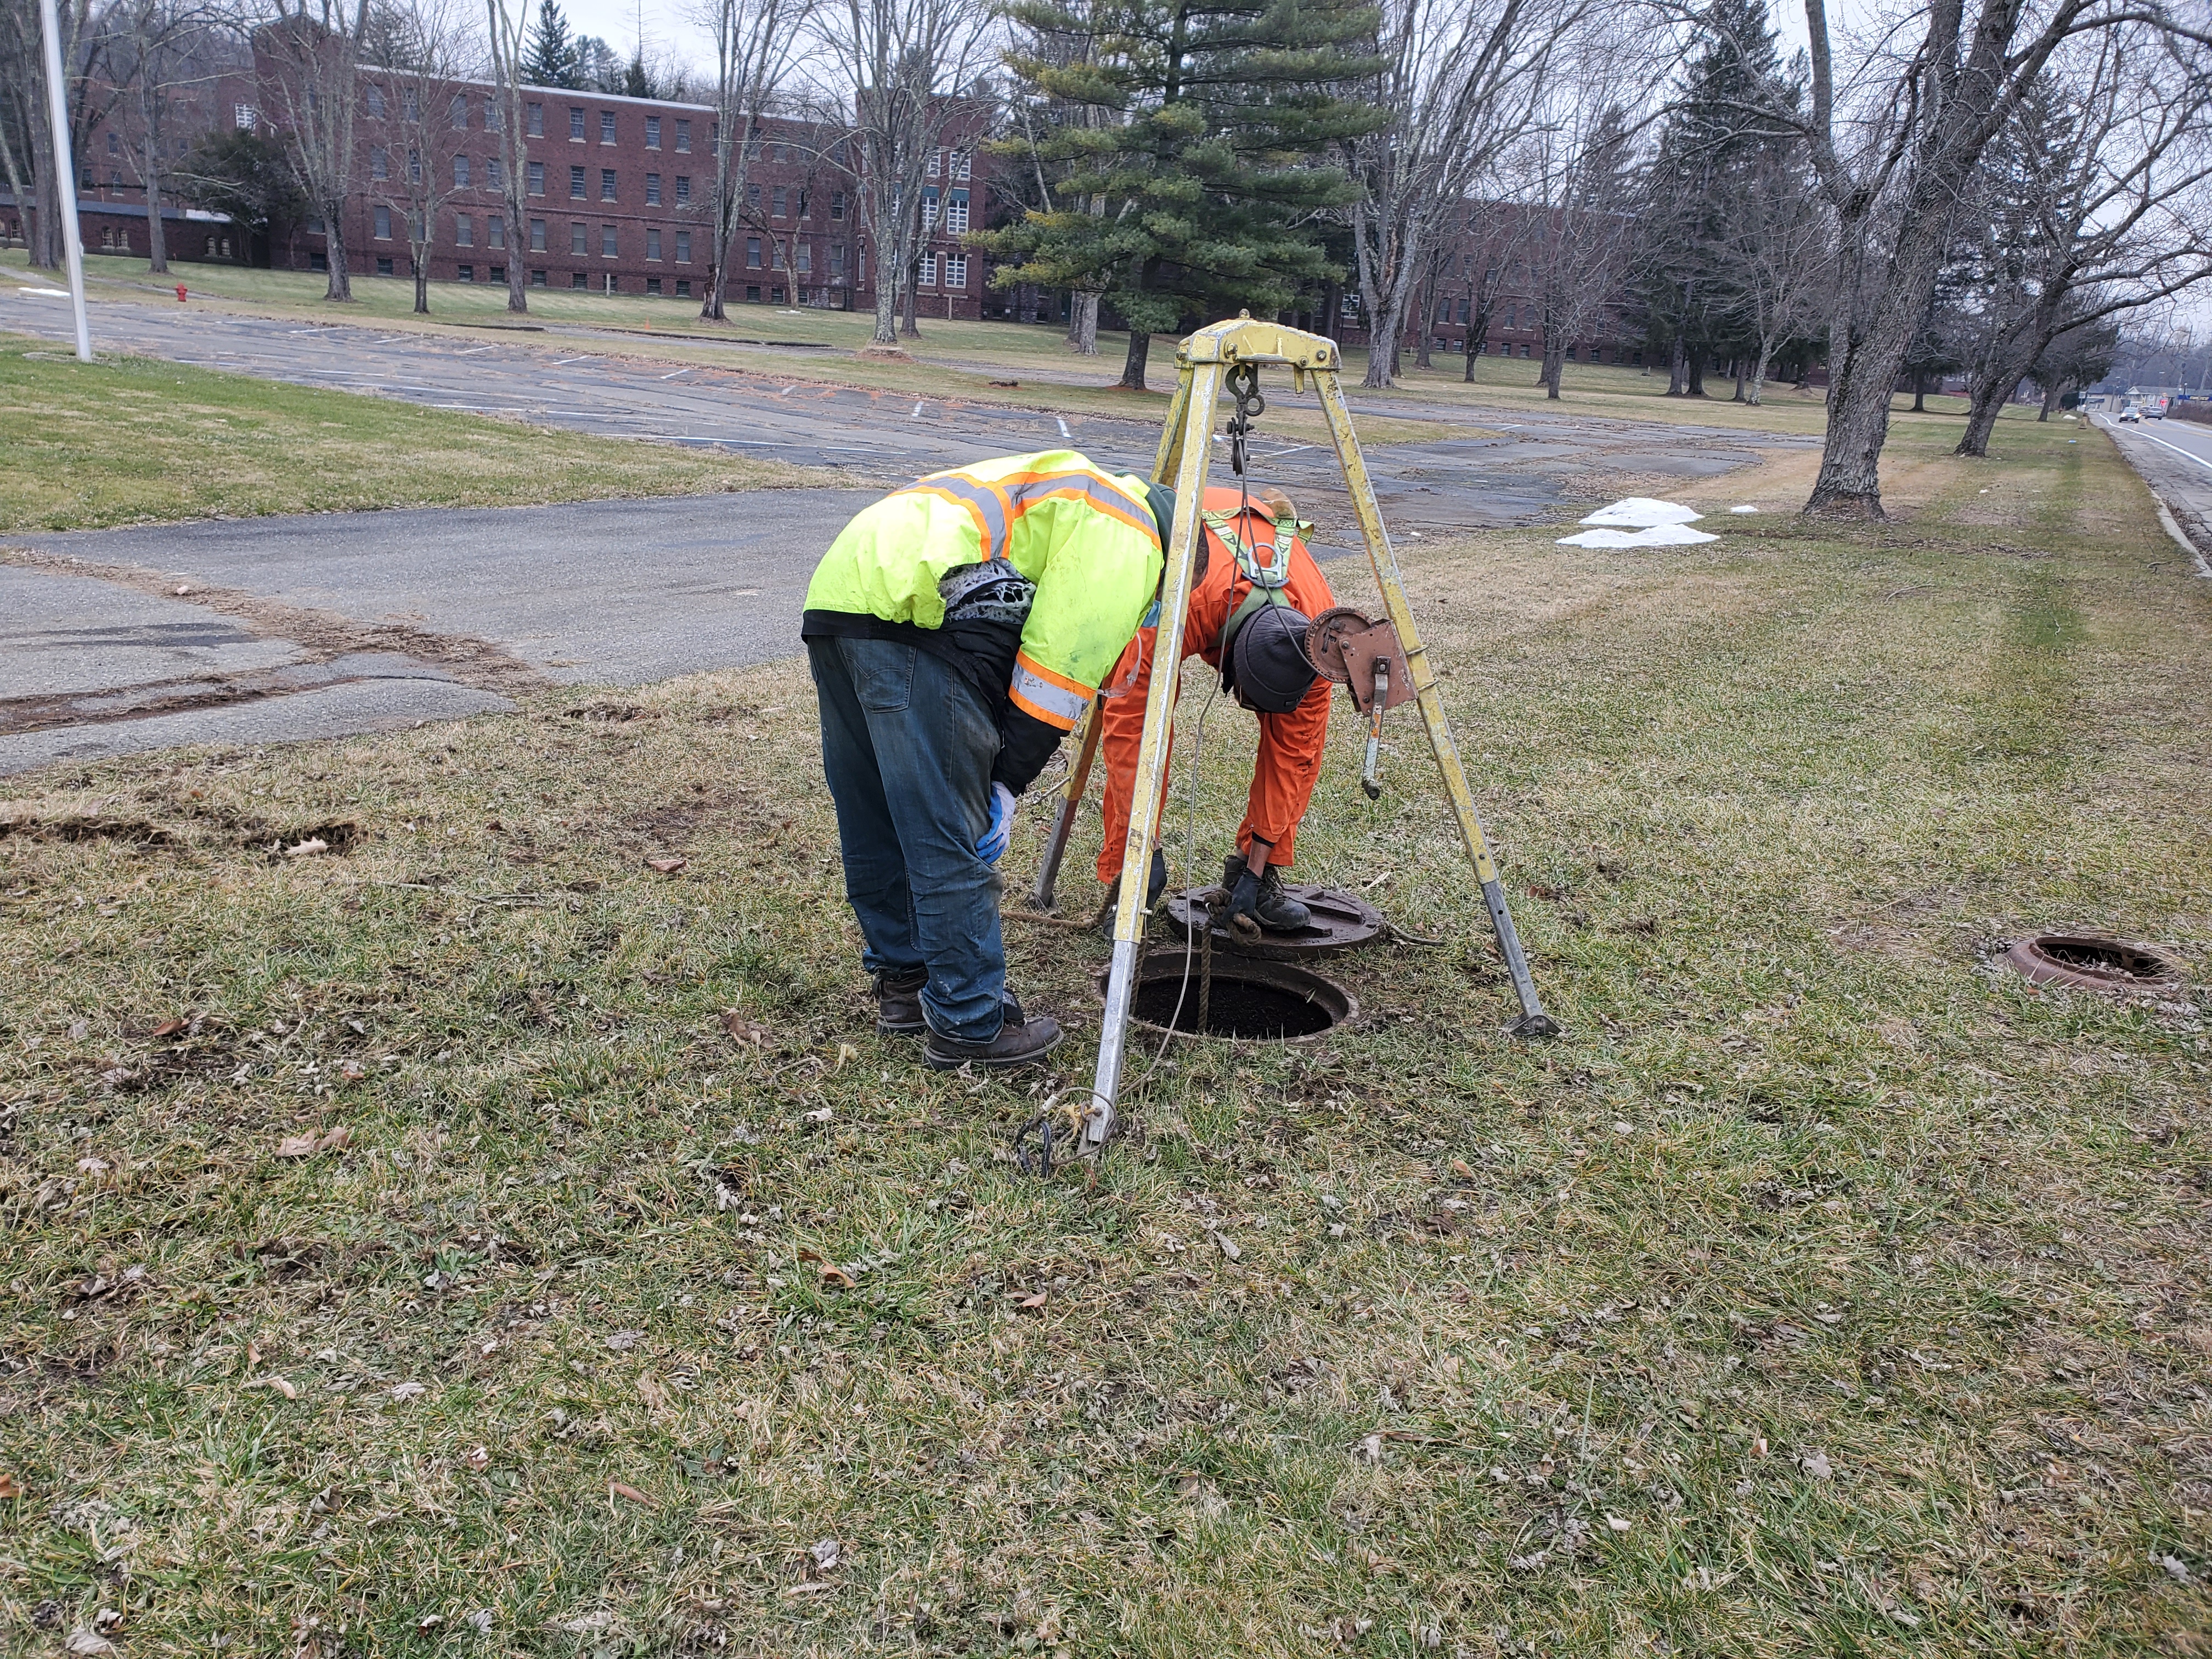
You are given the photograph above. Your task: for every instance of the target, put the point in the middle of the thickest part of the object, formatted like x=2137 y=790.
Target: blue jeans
x=907 y=745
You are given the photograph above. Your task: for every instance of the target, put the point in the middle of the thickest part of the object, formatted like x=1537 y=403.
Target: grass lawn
x=133 y=440
x=468 y=1228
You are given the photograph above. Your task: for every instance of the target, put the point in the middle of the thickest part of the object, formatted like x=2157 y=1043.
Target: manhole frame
x=1177 y=912
x=1279 y=974
x=2030 y=958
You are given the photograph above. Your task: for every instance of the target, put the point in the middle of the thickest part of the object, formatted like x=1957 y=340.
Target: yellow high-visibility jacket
x=1084 y=536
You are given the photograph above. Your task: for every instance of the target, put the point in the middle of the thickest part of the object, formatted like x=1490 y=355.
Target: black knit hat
x=1269 y=671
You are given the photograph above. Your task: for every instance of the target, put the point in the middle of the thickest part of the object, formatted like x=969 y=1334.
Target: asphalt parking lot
x=320 y=624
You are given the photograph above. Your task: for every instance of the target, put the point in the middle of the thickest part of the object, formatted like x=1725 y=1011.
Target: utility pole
x=66 y=175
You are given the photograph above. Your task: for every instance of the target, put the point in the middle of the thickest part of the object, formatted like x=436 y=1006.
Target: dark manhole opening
x=1252 y=1001
x=2093 y=961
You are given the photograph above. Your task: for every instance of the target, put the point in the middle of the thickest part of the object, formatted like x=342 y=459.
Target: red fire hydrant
x=180 y=293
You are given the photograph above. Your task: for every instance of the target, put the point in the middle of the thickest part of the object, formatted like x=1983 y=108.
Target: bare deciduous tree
x=1781 y=262
x=755 y=42
x=913 y=69
x=419 y=116
x=505 y=34
x=1462 y=81
x=313 y=50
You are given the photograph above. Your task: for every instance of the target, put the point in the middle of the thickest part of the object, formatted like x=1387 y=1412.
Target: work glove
x=1245 y=899
x=993 y=846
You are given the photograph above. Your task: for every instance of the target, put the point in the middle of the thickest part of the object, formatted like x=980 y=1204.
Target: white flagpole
x=65 y=176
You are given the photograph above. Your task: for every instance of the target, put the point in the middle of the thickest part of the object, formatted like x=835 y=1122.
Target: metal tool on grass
x=1071 y=802
x=1203 y=362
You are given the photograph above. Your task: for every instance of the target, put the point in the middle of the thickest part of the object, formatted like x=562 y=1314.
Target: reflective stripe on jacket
x=1087 y=540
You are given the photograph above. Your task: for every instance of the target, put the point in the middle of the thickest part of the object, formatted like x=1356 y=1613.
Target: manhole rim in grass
x=1336 y=1003
x=2094 y=961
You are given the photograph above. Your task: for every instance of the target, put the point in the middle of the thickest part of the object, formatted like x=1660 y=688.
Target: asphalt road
x=311 y=625
x=2175 y=459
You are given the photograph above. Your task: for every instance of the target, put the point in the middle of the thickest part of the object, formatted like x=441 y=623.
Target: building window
x=380 y=163
x=928 y=277
x=936 y=162
x=417 y=231
x=682 y=288
x=375 y=94
x=775 y=254
x=465 y=231
x=805 y=259
x=606 y=184
x=494 y=175
x=928 y=206
x=537 y=279
x=963 y=164
x=493 y=119
x=682 y=187
x=536 y=178
x=607 y=248
x=753 y=198
x=577 y=279
x=576 y=125
x=653 y=286
x=653 y=190
x=606 y=126
x=414 y=166
x=580 y=239
x=383 y=223
x=465 y=273
x=753 y=256
x=752 y=296
x=497 y=274
x=576 y=183
x=652 y=133
x=460 y=172
x=495 y=233
x=775 y=209
x=683 y=248
x=683 y=137
x=245 y=116
x=537 y=128
x=776 y=296
x=836 y=204
x=837 y=153
x=956 y=213
x=956 y=271
x=538 y=236
x=458 y=111
x=836 y=261
x=652 y=241
x=384 y=265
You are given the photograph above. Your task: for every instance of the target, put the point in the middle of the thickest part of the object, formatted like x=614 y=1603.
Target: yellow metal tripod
x=1201 y=363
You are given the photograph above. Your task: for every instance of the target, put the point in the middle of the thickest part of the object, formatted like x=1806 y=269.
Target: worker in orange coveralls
x=1259 y=633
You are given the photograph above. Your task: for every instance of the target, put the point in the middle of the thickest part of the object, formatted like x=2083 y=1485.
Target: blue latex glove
x=993 y=846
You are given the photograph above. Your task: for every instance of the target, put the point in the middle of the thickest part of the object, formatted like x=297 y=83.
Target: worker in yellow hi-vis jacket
x=957 y=629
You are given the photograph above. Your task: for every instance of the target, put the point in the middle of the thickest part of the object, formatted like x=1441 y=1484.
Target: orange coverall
x=1289 y=745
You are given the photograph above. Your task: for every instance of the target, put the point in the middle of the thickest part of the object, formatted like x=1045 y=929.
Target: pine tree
x=552 y=60
x=1196 y=192
x=1710 y=156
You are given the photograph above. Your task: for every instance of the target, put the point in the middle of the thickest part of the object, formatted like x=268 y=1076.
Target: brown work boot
x=898 y=1002
x=1022 y=1040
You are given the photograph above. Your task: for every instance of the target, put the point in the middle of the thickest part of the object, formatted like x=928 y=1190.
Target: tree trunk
x=340 y=286
x=44 y=233
x=1677 y=381
x=1759 y=372
x=422 y=285
x=1082 y=324
x=1132 y=365
x=710 y=302
x=2053 y=395
x=1478 y=326
x=1919 y=391
x=1984 y=405
x=1739 y=365
x=157 y=241
x=1428 y=323
x=1697 y=360
x=911 y=328
x=1332 y=306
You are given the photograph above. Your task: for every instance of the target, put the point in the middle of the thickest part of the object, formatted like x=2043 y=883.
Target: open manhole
x=2094 y=962
x=1340 y=923
x=1252 y=1001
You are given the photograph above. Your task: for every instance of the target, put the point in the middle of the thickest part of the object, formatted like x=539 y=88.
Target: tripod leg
x=1534 y=1021
x=1071 y=802
x=1199 y=386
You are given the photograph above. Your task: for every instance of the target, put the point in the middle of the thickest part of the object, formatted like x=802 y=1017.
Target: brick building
x=618 y=199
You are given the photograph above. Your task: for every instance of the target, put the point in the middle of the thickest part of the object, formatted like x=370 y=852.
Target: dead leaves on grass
x=311 y=1145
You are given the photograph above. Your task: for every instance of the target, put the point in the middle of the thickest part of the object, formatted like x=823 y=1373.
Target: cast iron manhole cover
x=1340 y=923
x=2095 y=963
